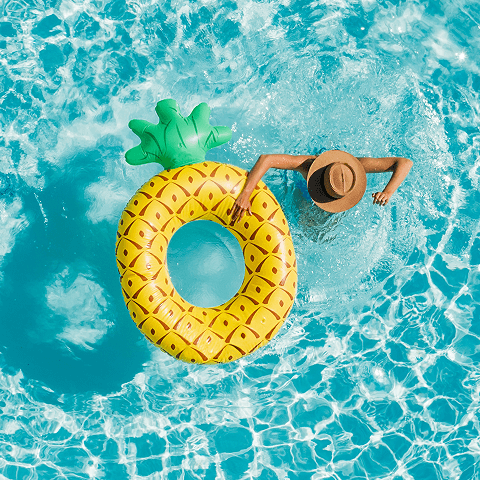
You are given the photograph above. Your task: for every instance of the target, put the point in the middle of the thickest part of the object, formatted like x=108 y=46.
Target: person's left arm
x=398 y=165
x=264 y=163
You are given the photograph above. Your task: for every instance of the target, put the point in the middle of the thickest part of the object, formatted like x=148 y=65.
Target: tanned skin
x=301 y=163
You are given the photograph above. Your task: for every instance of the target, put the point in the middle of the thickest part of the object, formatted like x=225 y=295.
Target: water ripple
x=374 y=374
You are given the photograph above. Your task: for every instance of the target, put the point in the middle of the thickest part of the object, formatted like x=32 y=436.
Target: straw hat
x=336 y=181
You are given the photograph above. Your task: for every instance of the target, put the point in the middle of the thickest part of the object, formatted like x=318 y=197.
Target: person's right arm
x=264 y=163
x=398 y=165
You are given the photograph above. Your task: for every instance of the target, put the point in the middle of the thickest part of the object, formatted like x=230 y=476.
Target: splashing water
x=375 y=373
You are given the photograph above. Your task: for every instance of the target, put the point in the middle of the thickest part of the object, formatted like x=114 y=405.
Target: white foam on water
x=83 y=304
x=359 y=105
x=107 y=197
x=13 y=220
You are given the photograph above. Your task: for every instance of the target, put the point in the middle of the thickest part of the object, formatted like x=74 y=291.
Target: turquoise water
x=205 y=263
x=374 y=375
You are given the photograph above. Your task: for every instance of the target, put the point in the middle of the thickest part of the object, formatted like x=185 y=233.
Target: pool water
x=205 y=263
x=375 y=373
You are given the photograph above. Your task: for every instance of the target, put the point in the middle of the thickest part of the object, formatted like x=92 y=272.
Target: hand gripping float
x=202 y=191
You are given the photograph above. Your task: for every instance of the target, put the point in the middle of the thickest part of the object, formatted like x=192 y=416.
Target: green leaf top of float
x=176 y=141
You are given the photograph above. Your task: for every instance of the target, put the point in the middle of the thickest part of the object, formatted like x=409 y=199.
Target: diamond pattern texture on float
x=253 y=316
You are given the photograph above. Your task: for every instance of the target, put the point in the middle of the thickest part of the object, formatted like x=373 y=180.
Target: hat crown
x=336 y=188
x=339 y=179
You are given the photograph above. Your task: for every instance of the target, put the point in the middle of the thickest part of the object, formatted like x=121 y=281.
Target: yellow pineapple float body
x=250 y=319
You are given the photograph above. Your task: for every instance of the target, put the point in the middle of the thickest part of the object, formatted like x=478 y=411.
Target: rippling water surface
x=375 y=373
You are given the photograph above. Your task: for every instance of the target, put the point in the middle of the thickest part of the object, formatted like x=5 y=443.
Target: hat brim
x=316 y=186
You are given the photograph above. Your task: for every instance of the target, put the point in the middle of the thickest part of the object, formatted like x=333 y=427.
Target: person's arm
x=264 y=163
x=398 y=165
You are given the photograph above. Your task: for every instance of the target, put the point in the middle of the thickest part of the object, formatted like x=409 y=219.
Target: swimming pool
x=374 y=374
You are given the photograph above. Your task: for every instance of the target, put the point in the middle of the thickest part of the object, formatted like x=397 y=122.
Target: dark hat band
x=319 y=185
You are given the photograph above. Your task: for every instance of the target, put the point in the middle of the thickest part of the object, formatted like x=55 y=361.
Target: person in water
x=336 y=180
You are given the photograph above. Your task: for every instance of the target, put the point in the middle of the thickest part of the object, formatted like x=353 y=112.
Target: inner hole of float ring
x=205 y=263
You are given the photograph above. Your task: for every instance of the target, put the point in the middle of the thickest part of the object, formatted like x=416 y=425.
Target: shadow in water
x=64 y=320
